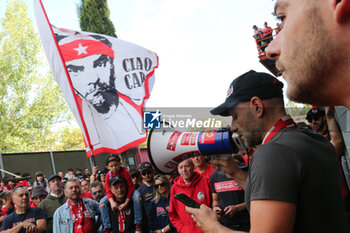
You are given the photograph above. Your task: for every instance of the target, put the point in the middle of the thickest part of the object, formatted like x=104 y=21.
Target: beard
x=253 y=133
x=109 y=98
x=311 y=63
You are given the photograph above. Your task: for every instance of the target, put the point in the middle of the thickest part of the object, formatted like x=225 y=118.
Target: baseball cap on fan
x=246 y=86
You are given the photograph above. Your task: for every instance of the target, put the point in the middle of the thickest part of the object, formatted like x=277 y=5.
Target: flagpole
x=93 y=159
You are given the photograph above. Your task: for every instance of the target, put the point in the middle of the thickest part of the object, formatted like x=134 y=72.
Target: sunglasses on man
x=309 y=119
x=97 y=192
x=147 y=172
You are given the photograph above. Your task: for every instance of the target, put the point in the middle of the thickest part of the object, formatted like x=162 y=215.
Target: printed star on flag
x=81 y=49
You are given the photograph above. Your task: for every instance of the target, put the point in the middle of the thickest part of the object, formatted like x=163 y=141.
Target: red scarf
x=282 y=123
x=78 y=215
x=121 y=220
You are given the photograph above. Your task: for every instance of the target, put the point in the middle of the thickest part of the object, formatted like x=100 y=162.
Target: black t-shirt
x=299 y=166
x=31 y=215
x=230 y=193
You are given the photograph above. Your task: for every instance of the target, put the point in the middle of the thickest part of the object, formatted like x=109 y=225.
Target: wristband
x=162 y=231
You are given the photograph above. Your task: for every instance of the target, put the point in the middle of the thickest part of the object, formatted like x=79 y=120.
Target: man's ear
x=257 y=106
x=341 y=9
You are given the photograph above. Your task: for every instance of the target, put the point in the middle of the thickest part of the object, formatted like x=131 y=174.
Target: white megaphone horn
x=168 y=147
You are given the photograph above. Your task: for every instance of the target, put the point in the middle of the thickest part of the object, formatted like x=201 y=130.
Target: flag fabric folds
x=104 y=80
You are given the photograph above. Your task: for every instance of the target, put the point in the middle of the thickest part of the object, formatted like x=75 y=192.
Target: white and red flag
x=105 y=81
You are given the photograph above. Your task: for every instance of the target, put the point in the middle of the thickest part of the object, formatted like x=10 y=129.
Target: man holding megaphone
x=293 y=183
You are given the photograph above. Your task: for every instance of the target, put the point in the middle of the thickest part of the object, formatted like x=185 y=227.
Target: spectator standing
x=316 y=117
x=193 y=185
x=37 y=196
x=70 y=174
x=8 y=206
x=28 y=180
x=136 y=178
x=278 y=28
x=3 y=186
x=20 y=180
x=95 y=175
x=267 y=33
x=228 y=201
x=201 y=165
x=3 y=213
x=138 y=207
x=97 y=191
x=258 y=35
x=11 y=183
x=321 y=74
x=146 y=191
x=122 y=219
x=40 y=181
x=287 y=169
x=77 y=214
x=60 y=174
x=115 y=169
x=85 y=191
x=159 y=215
x=24 y=218
x=79 y=174
x=87 y=174
x=53 y=201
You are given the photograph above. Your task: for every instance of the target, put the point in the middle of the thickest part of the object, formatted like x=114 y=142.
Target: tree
x=30 y=100
x=71 y=138
x=94 y=17
x=297 y=110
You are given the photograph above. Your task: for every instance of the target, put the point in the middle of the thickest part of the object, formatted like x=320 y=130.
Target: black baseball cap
x=146 y=166
x=116 y=179
x=246 y=86
x=112 y=157
x=313 y=113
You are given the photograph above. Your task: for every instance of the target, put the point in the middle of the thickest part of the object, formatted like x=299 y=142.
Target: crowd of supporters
x=115 y=199
x=110 y=199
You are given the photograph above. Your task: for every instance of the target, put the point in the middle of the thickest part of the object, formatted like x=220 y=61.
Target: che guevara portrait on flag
x=89 y=62
x=108 y=82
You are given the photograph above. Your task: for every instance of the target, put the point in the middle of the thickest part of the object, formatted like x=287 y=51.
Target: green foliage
x=94 y=17
x=71 y=137
x=30 y=100
x=297 y=110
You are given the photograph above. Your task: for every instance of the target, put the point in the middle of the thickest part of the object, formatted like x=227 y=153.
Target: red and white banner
x=105 y=81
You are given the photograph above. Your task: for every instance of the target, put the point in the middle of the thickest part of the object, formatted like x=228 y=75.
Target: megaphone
x=168 y=147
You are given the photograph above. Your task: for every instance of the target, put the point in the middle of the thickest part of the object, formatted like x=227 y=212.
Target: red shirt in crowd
x=87 y=224
x=208 y=171
x=199 y=190
x=86 y=195
x=122 y=173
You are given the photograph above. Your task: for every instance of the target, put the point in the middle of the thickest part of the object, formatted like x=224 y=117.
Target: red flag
x=104 y=80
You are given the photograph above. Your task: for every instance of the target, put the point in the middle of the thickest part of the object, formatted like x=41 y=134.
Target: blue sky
x=202 y=44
